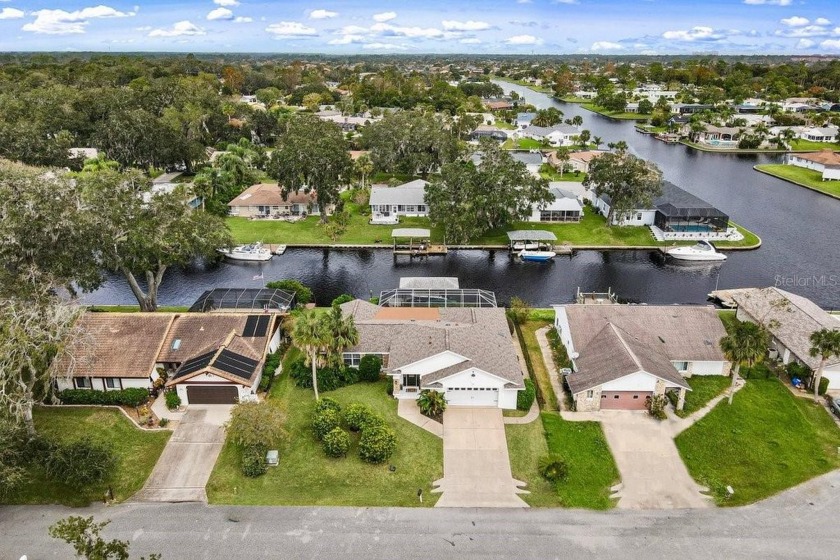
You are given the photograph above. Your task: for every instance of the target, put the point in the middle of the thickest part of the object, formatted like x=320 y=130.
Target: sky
x=424 y=26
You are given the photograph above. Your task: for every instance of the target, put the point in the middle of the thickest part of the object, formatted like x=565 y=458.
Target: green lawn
x=306 y=476
x=613 y=115
x=539 y=373
x=574 y=99
x=549 y=173
x=800 y=145
x=525 y=144
x=592 y=470
x=728 y=318
x=703 y=389
x=768 y=440
x=802 y=177
x=137 y=452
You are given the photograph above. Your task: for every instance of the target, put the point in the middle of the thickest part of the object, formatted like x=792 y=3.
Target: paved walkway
x=160 y=410
x=548 y=360
x=476 y=465
x=407 y=409
x=184 y=467
x=678 y=425
x=533 y=414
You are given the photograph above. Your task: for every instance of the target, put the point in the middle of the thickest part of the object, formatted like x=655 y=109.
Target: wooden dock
x=430 y=250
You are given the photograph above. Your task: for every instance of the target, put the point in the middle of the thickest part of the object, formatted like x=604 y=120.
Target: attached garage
x=624 y=400
x=472 y=396
x=212 y=394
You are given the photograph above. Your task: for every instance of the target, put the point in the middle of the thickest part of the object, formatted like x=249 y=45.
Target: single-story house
x=790 y=319
x=498 y=104
x=165 y=184
x=576 y=188
x=532 y=160
x=675 y=210
x=723 y=136
x=557 y=135
x=388 y=203
x=264 y=200
x=488 y=131
x=578 y=161
x=820 y=134
x=564 y=208
x=623 y=354
x=690 y=108
x=825 y=162
x=209 y=358
x=466 y=353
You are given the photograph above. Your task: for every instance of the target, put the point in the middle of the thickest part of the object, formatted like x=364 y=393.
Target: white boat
x=527 y=245
x=252 y=252
x=702 y=251
x=536 y=256
x=280 y=250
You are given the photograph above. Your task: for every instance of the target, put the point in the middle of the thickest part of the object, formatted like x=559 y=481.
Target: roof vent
x=176 y=344
x=662 y=340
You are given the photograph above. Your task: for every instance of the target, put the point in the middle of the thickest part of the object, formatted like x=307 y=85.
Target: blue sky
x=426 y=26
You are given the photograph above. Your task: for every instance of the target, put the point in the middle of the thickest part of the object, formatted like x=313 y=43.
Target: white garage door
x=472 y=396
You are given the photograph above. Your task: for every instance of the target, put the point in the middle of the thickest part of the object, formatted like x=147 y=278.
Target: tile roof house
x=265 y=200
x=466 y=353
x=791 y=319
x=825 y=162
x=623 y=354
x=387 y=204
x=209 y=358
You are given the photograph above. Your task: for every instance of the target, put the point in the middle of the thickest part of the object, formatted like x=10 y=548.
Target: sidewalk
x=532 y=415
x=407 y=409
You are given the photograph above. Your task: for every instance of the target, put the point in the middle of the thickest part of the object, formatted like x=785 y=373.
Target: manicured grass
x=800 y=145
x=766 y=441
x=524 y=144
x=574 y=99
x=728 y=318
x=802 y=177
x=137 y=452
x=620 y=116
x=499 y=123
x=582 y=445
x=306 y=476
x=539 y=373
x=703 y=389
x=542 y=314
x=549 y=173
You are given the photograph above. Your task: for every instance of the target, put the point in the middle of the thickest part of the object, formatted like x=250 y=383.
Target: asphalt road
x=801 y=523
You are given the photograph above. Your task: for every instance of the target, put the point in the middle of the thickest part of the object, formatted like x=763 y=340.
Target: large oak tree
x=629 y=181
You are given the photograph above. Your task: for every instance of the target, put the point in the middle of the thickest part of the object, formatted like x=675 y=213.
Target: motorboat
x=280 y=250
x=536 y=255
x=701 y=251
x=253 y=252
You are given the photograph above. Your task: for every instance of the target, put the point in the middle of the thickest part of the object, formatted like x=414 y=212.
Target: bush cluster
x=253 y=462
x=370 y=367
x=431 y=403
x=757 y=371
x=173 y=401
x=325 y=421
x=336 y=443
x=329 y=379
x=656 y=406
x=357 y=416
x=377 y=443
x=127 y=397
x=525 y=399
x=343 y=298
x=821 y=390
x=272 y=362
x=304 y=294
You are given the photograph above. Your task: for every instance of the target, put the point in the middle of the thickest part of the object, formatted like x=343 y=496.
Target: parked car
x=834 y=405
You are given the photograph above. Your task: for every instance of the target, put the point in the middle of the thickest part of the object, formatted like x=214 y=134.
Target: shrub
x=795 y=369
x=370 y=367
x=127 y=397
x=343 y=298
x=656 y=406
x=327 y=404
x=324 y=422
x=304 y=294
x=758 y=371
x=253 y=462
x=518 y=311
x=336 y=443
x=272 y=362
x=329 y=379
x=431 y=403
x=357 y=416
x=163 y=422
x=79 y=463
x=377 y=444
x=553 y=468
x=173 y=401
x=823 y=386
x=525 y=399
x=254 y=424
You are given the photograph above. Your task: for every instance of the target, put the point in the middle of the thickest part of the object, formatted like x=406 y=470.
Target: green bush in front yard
x=377 y=444
x=329 y=379
x=79 y=463
x=370 y=367
x=357 y=416
x=127 y=397
x=326 y=403
x=324 y=422
x=432 y=403
x=525 y=399
x=553 y=468
x=253 y=462
x=173 y=401
x=823 y=388
x=656 y=406
x=337 y=443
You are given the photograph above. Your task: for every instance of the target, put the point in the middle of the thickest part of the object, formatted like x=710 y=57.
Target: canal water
x=799 y=229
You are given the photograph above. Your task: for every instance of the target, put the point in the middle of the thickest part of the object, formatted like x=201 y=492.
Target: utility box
x=272 y=458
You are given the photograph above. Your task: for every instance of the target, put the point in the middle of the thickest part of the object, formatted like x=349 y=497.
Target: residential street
x=800 y=523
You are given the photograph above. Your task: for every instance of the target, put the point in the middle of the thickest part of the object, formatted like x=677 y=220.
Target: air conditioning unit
x=773 y=353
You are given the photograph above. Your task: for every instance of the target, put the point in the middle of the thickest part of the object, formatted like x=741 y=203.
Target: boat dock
x=596 y=298
x=415 y=242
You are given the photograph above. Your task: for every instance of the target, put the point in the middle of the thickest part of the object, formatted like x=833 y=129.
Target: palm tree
x=825 y=343
x=746 y=343
x=341 y=334
x=310 y=337
x=583 y=138
x=577 y=120
x=364 y=167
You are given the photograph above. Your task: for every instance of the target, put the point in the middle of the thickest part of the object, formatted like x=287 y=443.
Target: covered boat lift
x=415 y=242
x=537 y=238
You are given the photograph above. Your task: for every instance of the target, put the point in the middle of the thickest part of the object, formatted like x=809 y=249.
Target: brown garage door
x=212 y=394
x=624 y=400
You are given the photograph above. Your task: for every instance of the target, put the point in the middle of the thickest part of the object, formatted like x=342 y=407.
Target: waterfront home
x=575 y=188
x=209 y=358
x=578 y=161
x=790 y=319
x=489 y=131
x=690 y=108
x=524 y=119
x=825 y=162
x=674 y=211
x=166 y=184
x=387 y=204
x=819 y=134
x=498 y=104
x=557 y=135
x=564 y=208
x=265 y=200
x=466 y=353
x=720 y=136
x=585 y=94
x=621 y=355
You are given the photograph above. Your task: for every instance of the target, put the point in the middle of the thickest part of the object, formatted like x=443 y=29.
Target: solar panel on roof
x=194 y=364
x=261 y=327
x=235 y=364
x=250 y=326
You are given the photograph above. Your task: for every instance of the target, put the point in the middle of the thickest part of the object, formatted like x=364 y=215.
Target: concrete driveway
x=476 y=466
x=184 y=467
x=653 y=475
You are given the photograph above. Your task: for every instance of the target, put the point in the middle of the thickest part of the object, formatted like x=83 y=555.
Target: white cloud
x=768 y=2
x=523 y=40
x=243 y=19
x=322 y=14
x=470 y=41
x=290 y=29
x=388 y=30
x=384 y=16
x=179 y=29
x=805 y=44
x=795 y=21
x=451 y=25
x=228 y=3
x=606 y=46
x=698 y=33
x=60 y=22
x=11 y=13
x=347 y=40
x=808 y=31
x=353 y=30
x=822 y=21
x=220 y=13
x=384 y=46
x=831 y=44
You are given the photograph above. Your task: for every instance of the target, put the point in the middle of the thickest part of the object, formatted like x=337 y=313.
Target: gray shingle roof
x=412 y=193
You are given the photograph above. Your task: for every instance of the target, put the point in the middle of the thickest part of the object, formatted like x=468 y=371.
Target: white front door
x=472 y=396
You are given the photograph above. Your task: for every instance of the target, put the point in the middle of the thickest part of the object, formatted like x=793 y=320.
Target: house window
x=603 y=396
x=635 y=396
x=421 y=207
x=112 y=383
x=176 y=343
x=590 y=394
x=615 y=396
x=81 y=382
x=639 y=217
x=681 y=366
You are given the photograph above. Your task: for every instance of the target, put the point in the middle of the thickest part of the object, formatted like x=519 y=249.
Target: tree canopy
x=629 y=181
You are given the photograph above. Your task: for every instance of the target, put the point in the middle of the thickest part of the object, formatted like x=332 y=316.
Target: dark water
x=799 y=229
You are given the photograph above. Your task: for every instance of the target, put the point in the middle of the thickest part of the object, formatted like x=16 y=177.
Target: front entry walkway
x=184 y=467
x=476 y=466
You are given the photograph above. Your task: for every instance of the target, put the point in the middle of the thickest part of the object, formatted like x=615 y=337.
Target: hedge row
x=128 y=397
